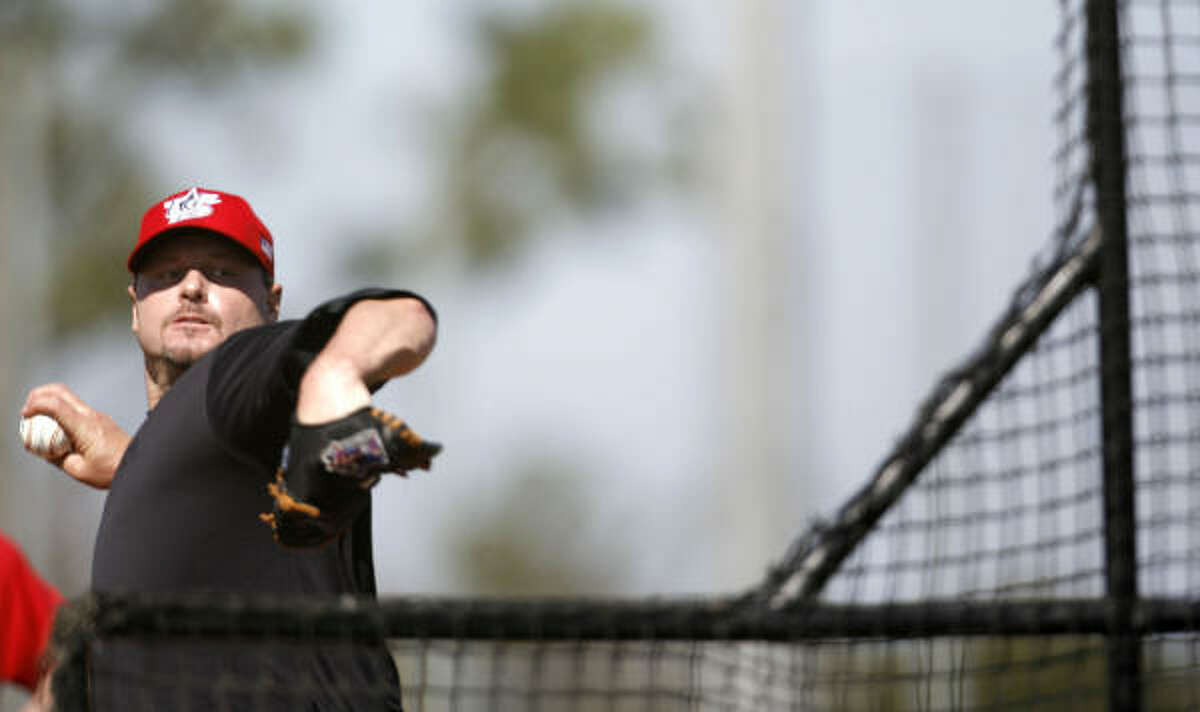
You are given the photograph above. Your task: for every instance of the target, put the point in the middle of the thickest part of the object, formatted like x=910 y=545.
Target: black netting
x=1011 y=506
x=1163 y=130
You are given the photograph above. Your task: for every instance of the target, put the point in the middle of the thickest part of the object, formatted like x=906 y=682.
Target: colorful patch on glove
x=352 y=456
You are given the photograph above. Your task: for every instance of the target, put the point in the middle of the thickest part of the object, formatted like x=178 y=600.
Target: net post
x=1105 y=133
x=74 y=628
x=68 y=686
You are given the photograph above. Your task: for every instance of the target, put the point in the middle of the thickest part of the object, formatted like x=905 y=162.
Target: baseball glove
x=329 y=469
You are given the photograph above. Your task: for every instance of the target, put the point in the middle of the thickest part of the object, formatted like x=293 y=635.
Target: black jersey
x=182 y=513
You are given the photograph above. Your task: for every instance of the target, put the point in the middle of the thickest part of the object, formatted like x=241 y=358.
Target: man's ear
x=133 y=326
x=274 y=299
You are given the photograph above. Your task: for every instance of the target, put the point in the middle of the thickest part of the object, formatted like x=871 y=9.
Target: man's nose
x=194 y=284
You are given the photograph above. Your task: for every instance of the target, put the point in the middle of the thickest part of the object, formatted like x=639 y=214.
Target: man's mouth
x=190 y=320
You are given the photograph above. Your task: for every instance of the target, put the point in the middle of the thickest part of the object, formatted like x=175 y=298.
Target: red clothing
x=27 y=606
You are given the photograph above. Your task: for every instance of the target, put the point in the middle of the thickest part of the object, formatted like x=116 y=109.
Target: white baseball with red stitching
x=43 y=436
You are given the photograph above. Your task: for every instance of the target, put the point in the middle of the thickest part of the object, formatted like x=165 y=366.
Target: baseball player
x=197 y=500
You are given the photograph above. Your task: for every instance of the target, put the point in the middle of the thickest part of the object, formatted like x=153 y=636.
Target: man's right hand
x=98 y=443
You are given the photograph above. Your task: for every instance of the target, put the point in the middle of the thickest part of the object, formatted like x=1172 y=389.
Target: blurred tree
x=539 y=539
x=526 y=145
x=95 y=68
x=75 y=79
x=530 y=125
x=209 y=41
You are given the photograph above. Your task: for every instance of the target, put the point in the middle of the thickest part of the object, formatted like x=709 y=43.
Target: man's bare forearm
x=377 y=340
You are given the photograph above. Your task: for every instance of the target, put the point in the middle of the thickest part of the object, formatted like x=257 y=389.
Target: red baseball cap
x=223 y=213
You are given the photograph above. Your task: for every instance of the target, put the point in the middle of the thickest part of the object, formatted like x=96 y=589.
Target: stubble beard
x=167 y=367
x=165 y=370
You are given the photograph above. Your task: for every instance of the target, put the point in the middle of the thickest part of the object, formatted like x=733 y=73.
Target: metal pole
x=752 y=484
x=1105 y=130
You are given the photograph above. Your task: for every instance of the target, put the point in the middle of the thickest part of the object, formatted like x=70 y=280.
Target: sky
x=910 y=169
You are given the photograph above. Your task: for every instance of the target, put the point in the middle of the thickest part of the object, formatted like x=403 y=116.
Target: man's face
x=191 y=291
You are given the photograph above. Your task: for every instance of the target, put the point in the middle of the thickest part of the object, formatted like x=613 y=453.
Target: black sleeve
x=255 y=374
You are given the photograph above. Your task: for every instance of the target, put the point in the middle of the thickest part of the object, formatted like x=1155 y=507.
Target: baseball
x=42 y=435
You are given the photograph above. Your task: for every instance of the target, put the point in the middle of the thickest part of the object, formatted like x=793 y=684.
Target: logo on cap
x=192 y=204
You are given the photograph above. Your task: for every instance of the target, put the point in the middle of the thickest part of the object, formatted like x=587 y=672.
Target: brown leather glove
x=330 y=468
